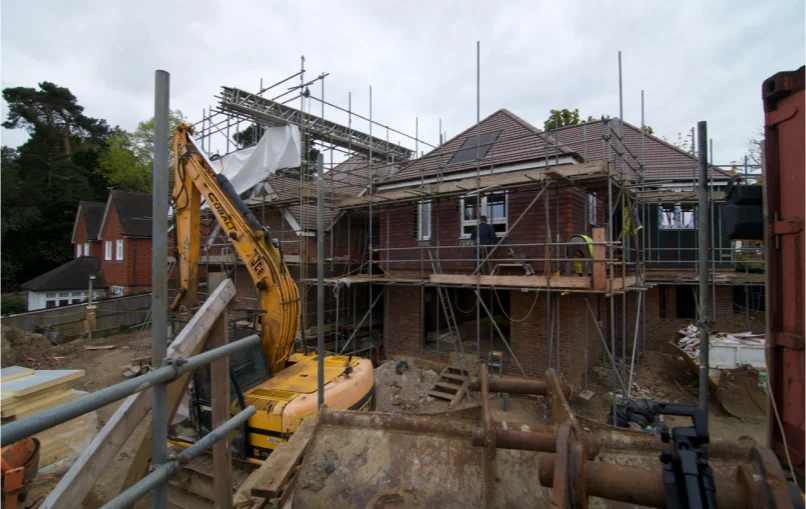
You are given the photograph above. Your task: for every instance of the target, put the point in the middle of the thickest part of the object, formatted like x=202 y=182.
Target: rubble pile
x=689 y=340
x=401 y=388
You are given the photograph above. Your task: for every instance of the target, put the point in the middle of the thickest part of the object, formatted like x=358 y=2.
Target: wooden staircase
x=453 y=380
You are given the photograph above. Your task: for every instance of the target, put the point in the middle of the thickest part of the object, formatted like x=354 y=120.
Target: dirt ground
x=666 y=378
x=102 y=369
x=659 y=376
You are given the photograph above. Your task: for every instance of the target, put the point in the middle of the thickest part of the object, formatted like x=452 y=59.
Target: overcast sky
x=696 y=60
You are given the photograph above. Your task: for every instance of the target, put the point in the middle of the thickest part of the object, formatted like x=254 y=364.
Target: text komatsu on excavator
x=281 y=385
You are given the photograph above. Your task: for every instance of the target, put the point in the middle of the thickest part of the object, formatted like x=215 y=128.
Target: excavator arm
x=278 y=294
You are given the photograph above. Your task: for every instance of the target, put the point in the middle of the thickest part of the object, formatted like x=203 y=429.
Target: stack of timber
x=25 y=392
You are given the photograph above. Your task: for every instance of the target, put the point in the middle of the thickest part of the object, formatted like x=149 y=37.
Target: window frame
x=117 y=291
x=593 y=209
x=86 y=249
x=463 y=223
x=119 y=250
x=108 y=250
x=78 y=250
x=429 y=206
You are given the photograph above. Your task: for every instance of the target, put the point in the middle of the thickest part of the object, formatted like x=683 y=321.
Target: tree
x=51 y=112
x=45 y=178
x=752 y=158
x=128 y=159
x=249 y=136
x=562 y=118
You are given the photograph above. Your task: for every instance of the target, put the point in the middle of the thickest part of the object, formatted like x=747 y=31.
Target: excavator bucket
x=367 y=460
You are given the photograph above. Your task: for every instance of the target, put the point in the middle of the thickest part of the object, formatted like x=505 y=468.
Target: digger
x=280 y=384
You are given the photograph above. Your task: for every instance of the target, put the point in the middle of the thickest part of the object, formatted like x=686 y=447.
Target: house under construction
x=406 y=280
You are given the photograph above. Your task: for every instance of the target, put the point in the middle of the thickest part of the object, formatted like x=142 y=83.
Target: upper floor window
x=674 y=217
x=107 y=250
x=424 y=221
x=493 y=205
x=119 y=250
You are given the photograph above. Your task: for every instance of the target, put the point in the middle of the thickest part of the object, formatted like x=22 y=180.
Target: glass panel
x=64 y=302
x=50 y=304
x=50 y=295
x=496 y=207
x=469 y=212
x=500 y=228
x=469 y=150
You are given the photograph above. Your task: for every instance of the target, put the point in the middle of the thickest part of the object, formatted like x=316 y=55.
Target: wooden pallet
x=451 y=385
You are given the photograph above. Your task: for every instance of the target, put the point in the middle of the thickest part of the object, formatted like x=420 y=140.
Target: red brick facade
x=528 y=337
x=81 y=238
x=567 y=215
x=133 y=273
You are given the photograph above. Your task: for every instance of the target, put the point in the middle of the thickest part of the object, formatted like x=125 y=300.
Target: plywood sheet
x=14 y=372
x=31 y=402
x=38 y=381
x=75 y=395
x=7 y=402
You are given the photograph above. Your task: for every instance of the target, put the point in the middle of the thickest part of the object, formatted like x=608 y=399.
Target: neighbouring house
x=66 y=284
x=111 y=241
x=86 y=229
x=125 y=236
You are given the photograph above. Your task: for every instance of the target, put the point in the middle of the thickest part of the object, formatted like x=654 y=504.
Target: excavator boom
x=278 y=294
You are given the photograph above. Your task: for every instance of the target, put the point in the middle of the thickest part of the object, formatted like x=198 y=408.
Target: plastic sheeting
x=280 y=147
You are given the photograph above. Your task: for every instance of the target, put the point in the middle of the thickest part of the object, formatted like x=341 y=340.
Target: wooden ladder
x=453 y=380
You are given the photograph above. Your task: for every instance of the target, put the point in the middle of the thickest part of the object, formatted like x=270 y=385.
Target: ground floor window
x=117 y=291
x=59 y=299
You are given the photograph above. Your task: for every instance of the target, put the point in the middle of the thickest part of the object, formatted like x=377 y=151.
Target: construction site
x=344 y=314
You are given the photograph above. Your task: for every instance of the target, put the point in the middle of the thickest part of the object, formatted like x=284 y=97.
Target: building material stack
x=25 y=392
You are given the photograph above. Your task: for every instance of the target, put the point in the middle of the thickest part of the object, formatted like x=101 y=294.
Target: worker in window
x=486 y=235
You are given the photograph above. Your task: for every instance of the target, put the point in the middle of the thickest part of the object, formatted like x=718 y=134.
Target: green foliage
x=566 y=117
x=128 y=159
x=45 y=178
x=249 y=136
x=562 y=118
x=13 y=303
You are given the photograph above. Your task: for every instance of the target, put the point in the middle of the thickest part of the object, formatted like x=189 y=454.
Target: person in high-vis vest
x=579 y=248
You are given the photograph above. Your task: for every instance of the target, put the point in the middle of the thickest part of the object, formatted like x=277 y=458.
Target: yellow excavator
x=280 y=384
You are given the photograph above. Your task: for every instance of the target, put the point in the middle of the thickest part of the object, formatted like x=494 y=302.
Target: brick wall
x=529 y=338
x=349 y=236
x=402 y=320
x=661 y=329
x=114 y=271
x=566 y=216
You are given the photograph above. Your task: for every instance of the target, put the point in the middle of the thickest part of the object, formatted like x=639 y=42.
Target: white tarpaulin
x=280 y=147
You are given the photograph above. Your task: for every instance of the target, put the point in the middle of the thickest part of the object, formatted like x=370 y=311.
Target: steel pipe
x=17 y=430
x=703 y=240
x=634 y=485
x=162 y=474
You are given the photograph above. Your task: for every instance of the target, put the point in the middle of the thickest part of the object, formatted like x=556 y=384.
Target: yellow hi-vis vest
x=589 y=241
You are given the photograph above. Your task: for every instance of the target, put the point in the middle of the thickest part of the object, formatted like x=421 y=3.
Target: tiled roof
x=518 y=142
x=134 y=211
x=73 y=275
x=93 y=214
x=350 y=178
x=662 y=160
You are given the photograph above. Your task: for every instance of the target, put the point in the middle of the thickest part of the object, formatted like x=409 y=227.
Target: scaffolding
x=362 y=191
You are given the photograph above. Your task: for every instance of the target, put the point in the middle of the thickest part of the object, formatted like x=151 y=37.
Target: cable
x=456 y=303
x=783 y=437
x=516 y=320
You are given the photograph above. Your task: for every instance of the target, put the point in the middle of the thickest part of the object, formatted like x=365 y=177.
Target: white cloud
x=695 y=61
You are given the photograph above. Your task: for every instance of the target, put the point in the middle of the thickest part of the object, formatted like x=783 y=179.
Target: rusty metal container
x=784 y=111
